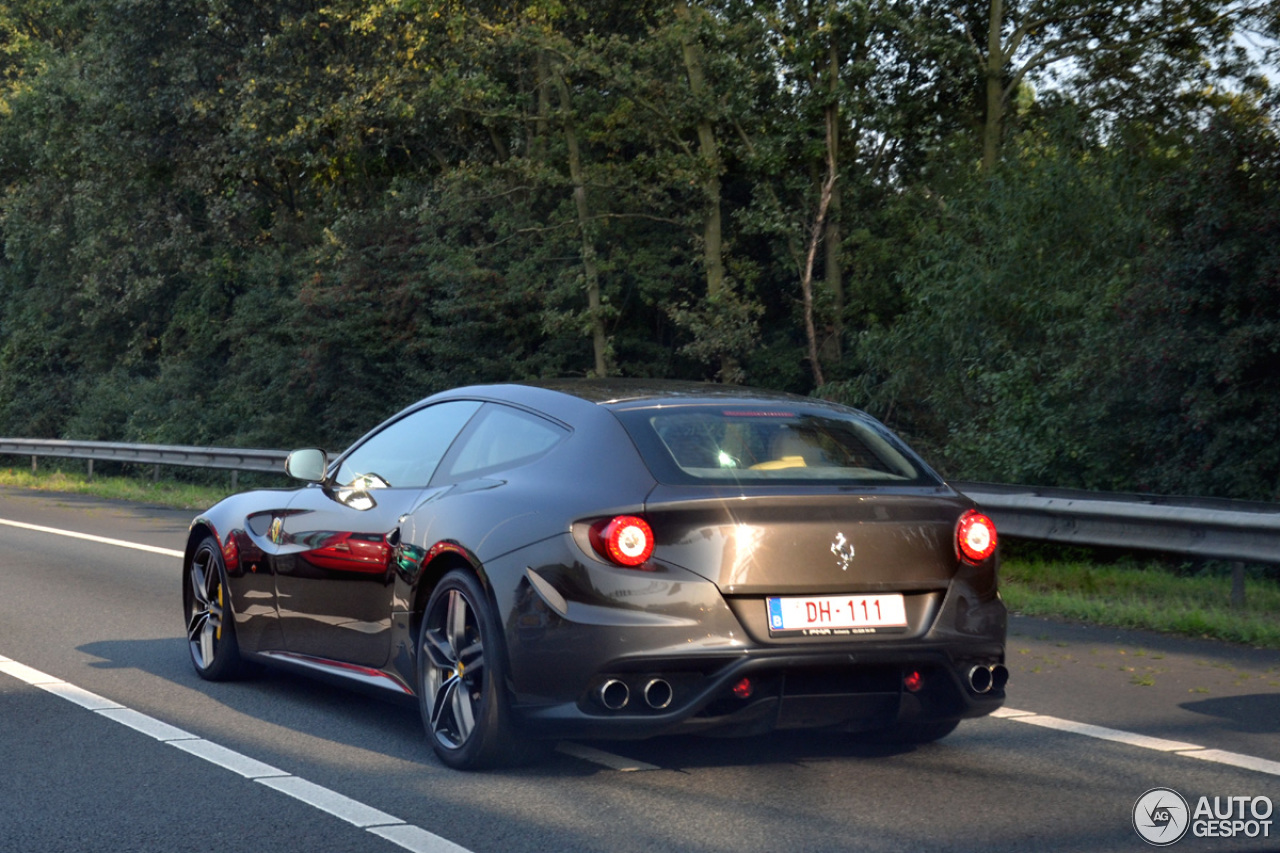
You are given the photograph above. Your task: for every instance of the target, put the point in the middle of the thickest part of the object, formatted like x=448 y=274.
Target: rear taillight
x=976 y=536
x=626 y=540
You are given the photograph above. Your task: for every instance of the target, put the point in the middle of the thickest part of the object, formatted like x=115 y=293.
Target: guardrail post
x=1237 y=585
x=90 y=469
x=33 y=465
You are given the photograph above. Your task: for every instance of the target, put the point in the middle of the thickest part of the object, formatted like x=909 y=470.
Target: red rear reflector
x=231 y=553
x=626 y=540
x=744 y=688
x=976 y=536
x=913 y=682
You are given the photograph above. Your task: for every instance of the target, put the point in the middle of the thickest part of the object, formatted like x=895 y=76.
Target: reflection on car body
x=614 y=559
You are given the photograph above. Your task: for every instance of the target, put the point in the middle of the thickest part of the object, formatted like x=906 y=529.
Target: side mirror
x=309 y=465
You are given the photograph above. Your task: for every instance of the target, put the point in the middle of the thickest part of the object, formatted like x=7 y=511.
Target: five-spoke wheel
x=211 y=634
x=461 y=679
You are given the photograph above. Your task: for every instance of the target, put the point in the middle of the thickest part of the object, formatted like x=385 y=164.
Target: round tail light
x=976 y=536
x=626 y=540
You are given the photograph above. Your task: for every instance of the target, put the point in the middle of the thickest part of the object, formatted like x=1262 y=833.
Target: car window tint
x=502 y=437
x=406 y=452
x=762 y=445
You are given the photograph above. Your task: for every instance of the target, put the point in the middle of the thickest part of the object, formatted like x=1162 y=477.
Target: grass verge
x=161 y=493
x=1131 y=594
x=1125 y=594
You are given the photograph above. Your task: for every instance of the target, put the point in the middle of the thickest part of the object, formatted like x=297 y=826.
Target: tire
x=211 y=630
x=461 y=678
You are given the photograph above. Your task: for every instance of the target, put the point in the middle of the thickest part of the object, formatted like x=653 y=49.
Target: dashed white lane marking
x=605 y=759
x=101 y=540
x=374 y=821
x=1190 y=750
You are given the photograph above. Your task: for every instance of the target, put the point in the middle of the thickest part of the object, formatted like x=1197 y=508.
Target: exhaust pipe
x=980 y=679
x=614 y=694
x=658 y=693
x=984 y=679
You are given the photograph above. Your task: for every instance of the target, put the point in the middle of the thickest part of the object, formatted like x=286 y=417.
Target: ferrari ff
x=611 y=559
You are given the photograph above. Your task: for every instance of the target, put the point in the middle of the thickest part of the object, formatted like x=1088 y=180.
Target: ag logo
x=1161 y=817
x=843 y=549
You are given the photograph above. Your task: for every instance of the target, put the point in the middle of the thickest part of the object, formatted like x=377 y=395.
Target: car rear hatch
x=841 y=564
x=808 y=544
x=795 y=507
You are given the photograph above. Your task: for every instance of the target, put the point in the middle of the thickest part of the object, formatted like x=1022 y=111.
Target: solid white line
x=606 y=759
x=22 y=672
x=1009 y=712
x=1235 y=759
x=416 y=839
x=80 y=696
x=374 y=821
x=101 y=540
x=338 y=805
x=1217 y=756
x=249 y=768
x=149 y=726
x=1103 y=733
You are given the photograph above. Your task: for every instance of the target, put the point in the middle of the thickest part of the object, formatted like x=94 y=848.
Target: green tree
x=1000 y=362
x=1135 y=47
x=1204 y=319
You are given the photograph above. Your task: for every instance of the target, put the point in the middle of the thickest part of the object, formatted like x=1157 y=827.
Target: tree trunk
x=713 y=241
x=542 y=126
x=815 y=236
x=833 y=262
x=993 y=126
x=590 y=272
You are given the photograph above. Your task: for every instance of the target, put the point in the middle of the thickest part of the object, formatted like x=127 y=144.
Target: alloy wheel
x=205 y=608
x=454 y=676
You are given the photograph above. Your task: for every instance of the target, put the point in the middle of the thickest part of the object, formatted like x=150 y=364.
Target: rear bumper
x=582 y=662
x=845 y=690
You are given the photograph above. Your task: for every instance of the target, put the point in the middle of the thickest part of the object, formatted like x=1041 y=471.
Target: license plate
x=836 y=615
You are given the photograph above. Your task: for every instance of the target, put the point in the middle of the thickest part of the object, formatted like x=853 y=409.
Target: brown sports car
x=613 y=560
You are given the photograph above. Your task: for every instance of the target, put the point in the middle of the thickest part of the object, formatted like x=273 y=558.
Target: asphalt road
x=109 y=742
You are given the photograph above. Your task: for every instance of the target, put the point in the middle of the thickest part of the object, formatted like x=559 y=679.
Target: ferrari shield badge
x=843 y=549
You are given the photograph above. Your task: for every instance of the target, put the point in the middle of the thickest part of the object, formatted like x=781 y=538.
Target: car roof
x=626 y=392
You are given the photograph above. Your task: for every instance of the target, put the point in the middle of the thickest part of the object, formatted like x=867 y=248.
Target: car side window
x=406 y=452
x=501 y=437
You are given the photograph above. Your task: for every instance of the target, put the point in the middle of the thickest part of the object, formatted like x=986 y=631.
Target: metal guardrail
x=233 y=459
x=1242 y=531
x=1211 y=528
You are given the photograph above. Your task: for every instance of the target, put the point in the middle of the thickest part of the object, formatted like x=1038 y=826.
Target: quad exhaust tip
x=614 y=694
x=984 y=679
x=658 y=693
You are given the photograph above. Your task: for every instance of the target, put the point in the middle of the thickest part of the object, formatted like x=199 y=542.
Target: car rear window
x=768 y=444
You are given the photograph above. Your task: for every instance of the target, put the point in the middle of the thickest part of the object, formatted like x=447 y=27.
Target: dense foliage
x=1039 y=237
